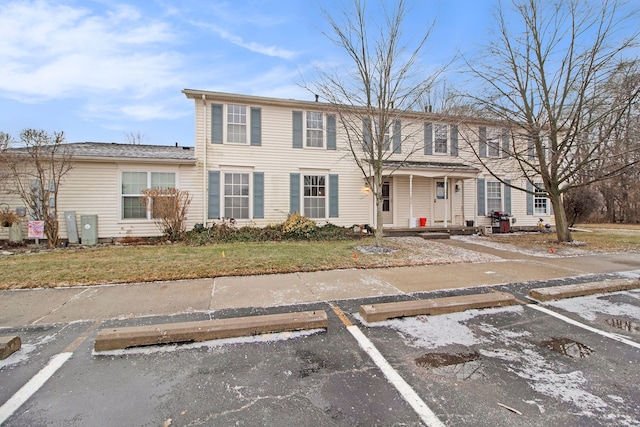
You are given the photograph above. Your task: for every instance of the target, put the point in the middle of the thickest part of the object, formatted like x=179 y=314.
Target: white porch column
x=447 y=200
x=410 y=199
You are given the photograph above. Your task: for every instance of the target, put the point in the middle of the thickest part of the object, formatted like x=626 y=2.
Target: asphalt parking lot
x=510 y=366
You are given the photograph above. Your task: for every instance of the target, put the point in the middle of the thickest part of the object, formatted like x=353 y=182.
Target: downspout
x=205 y=193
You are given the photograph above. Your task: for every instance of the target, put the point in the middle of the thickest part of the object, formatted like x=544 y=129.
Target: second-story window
x=494 y=137
x=314 y=129
x=440 y=138
x=237 y=123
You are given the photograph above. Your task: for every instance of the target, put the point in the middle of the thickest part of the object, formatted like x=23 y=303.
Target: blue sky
x=101 y=69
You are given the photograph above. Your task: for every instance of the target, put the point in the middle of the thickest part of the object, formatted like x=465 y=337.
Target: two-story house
x=262 y=158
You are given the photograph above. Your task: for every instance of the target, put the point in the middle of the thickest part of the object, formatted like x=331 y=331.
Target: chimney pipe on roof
x=317 y=96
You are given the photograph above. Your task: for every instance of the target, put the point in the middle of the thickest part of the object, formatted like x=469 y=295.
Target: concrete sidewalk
x=64 y=305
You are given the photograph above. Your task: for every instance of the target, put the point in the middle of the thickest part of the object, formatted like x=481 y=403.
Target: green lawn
x=122 y=264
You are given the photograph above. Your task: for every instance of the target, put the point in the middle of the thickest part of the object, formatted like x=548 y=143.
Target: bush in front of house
x=296 y=227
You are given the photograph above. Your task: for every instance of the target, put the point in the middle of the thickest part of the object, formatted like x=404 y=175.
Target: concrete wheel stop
x=172 y=333
x=378 y=312
x=9 y=345
x=582 y=289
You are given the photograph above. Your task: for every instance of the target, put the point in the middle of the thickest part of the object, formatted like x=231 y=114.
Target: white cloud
x=251 y=46
x=51 y=51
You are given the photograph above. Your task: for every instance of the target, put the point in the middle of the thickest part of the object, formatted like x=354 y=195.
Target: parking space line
x=409 y=395
x=34 y=384
x=405 y=390
x=583 y=326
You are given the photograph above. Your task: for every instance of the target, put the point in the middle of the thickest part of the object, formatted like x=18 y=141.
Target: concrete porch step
x=434 y=235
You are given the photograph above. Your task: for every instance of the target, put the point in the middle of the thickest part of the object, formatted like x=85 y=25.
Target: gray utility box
x=89 y=229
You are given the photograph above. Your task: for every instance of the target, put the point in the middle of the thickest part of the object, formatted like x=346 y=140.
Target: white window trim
x=547 y=202
x=304 y=130
x=149 y=216
x=486 y=196
x=223 y=195
x=225 y=124
x=448 y=143
x=326 y=194
x=491 y=131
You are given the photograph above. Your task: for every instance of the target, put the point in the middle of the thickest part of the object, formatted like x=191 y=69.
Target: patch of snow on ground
x=213 y=344
x=543 y=377
x=590 y=307
x=441 y=330
x=23 y=354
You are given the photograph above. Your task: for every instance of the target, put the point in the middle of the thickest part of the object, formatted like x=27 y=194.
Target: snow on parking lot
x=592 y=307
x=517 y=353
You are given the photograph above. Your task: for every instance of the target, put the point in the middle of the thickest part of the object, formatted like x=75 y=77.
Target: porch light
x=366 y=189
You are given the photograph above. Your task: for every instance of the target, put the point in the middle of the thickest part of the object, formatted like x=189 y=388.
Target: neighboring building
x=258 y=159
x=266 y=157
x=107 y=180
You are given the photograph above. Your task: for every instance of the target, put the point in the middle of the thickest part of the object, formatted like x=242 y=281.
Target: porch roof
x=430 y=169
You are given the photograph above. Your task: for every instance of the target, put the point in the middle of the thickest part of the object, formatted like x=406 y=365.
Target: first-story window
x=494 y=196
x=540 y=202
x=236 y=195
x=133 y=184
x=314 y=196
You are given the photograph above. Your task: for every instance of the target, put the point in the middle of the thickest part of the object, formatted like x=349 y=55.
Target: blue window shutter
x=258 y=194
x=505 y=143
x=294 y=193
x=256 y=126
x=333 y=196
x=297 y=129
x=366 y=134
x=331 y=132
x=531 y=149
x=507 y=196
x=216 y=123
x=453 y=133
x=480 y=192
x=214 y=195
x=482 y=149
x=428 y=138
x=397 y=137
x=529 y=199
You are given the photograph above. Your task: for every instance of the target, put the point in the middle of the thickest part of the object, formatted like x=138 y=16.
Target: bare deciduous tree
x=135 y=138
x=36 y=171
x=372 y=95
x=545 y=77
x=169 y=207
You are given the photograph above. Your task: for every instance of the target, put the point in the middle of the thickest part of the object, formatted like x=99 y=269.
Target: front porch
x=432 y=232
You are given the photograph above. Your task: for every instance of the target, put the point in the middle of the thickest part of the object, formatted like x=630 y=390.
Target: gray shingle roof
x=130 y=151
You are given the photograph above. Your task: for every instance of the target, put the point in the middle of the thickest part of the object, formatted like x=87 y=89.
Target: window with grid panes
x=314 y=129
x=494 y=196
x=540 y=202
x=236 y=195
x=439 y=138
x=494 y=139
x=236 y=123
x=314 y=196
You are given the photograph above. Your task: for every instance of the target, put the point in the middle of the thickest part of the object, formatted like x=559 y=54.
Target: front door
x=440 y=208
x=387 y=203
